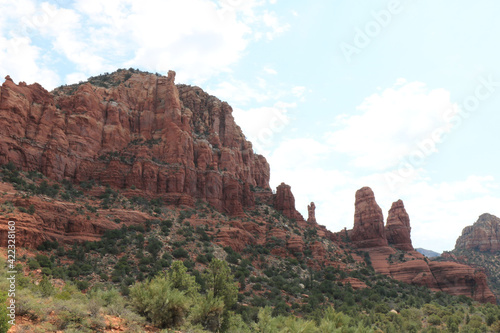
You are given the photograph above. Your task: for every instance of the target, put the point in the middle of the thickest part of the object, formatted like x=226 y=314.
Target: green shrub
x=154 y=246
x=46 y=271
x=221 y=282
x=180 y=253
x=160 y=302
x=43 y=260
x=4 y=320
x=33 y=264
x=434 y=320
x=208 y=312
x=45 y=287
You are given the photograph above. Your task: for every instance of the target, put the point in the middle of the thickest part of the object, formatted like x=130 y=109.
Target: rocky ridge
x=483 y=235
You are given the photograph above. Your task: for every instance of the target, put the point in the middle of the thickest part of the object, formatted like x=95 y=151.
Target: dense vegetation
x=208 y=302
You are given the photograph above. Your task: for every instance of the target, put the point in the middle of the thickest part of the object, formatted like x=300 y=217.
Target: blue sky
x=402 y=96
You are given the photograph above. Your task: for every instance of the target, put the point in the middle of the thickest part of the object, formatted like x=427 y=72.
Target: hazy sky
x=402 y=96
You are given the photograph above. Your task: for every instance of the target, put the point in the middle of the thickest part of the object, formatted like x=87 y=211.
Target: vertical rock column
x=368 y=228
x=398 y=228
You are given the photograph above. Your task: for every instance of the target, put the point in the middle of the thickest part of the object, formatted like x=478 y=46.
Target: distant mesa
x=428 y=253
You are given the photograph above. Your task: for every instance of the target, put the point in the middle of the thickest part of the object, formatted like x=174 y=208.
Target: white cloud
x=298 y=153
x=75 y=77
x=19 y=59
x=262 y=125
x=270 y=70
x=153 y=35
x=391 y=124
x=270 y=20
x=238 y=92
x=299 y=91
x=197 y=43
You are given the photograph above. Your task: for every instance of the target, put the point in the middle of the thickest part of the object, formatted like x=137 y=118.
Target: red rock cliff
x=398 y=228
x=484 y=235
x=133 y=129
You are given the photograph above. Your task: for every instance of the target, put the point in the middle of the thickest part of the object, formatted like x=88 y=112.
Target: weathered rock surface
x=368 y=228
x=398 y=228
x=411 y=267
x=133 y=129
x=311 y=213
x=458 y=279
x=284 y=201
x=484 y=235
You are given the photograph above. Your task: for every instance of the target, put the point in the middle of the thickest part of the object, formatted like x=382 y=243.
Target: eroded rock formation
x=368 y=228
x=398 y=228
x=284 y=201
x=311 y=213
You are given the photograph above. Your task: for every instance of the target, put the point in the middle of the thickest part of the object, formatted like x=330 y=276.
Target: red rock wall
x=145 y=132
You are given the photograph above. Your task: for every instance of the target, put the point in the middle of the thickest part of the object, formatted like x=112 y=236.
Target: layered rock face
x=458 y=279
x=368 y=228
x=398 y=228
x=284 y=201
x=133 y=129
x=59 y=220
x=484 y=235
